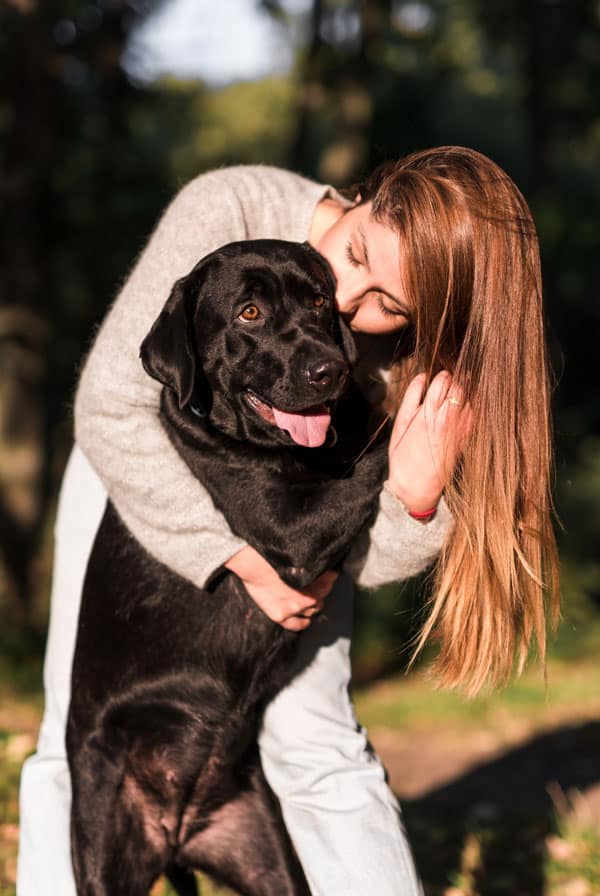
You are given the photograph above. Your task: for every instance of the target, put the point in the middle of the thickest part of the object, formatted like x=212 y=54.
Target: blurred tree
x=74 y=190
x=243 y=123
x=88 y=159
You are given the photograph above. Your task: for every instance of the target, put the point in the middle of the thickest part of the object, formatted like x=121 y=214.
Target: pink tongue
x=309 y=429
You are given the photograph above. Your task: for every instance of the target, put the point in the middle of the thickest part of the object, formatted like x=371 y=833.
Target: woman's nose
x=348 y=298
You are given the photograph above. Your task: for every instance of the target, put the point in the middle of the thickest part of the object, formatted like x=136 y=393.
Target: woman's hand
x=427 y=438
x=292 y=609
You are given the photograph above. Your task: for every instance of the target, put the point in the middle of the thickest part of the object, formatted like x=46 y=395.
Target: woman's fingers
x=414 y=400
x=301 y=615
x=310 y=602
x=292 y=609
x=451 y=430
x=427 y=441
x=409 y=407
x=320 y=588
x=295 y=623
x=454 y=412
x=284 y=605
x=437 y=393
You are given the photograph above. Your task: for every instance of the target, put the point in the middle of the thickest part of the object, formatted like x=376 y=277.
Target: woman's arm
x=426 y=441
x=396 y=546
x=117 y=424
x=425 y=444
x=116 y=405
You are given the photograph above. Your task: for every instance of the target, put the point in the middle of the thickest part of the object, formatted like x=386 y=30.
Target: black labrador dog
x=169 y=681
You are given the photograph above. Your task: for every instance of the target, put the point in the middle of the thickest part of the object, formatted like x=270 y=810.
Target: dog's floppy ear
x=167 y=353
x=345 y=340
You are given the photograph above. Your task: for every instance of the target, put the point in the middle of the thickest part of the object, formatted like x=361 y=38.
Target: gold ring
x=454 y=401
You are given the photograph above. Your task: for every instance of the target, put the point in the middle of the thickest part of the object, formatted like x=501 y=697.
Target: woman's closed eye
x=354 y=261
x=393 y=310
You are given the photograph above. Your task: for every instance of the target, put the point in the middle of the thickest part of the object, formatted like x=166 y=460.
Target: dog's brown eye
x=319 y=301
x=250 y=312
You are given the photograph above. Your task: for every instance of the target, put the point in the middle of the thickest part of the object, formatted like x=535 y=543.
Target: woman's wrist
x=250 y=566
x=419 y=506
x=415 y=502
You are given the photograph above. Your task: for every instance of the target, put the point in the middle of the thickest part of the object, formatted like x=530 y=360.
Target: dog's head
x=251 y=338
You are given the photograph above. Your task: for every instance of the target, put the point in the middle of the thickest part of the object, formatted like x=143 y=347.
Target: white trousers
x=342 y=817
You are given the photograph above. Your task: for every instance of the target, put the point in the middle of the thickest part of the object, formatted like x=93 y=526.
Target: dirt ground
x=488 y=810
x=480 y=801
x=452 y=767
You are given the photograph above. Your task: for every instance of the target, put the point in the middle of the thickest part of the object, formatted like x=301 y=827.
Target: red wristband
x=422 y=514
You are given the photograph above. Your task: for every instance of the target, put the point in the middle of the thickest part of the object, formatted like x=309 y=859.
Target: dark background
x=89 y=159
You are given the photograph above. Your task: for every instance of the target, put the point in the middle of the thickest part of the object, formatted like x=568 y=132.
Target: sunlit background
x=106 y=108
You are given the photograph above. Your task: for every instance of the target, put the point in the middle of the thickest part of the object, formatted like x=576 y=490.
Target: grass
x=495 y=862
x=406 y=701
x=13 y=748
x=466 y=842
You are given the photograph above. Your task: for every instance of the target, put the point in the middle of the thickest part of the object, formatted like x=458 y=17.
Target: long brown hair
x=472 y=274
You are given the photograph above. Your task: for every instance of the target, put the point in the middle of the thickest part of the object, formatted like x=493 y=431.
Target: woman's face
x=365 y=258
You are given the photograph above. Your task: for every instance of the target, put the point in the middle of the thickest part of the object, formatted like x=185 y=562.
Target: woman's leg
x=343 y=818
x=341 y=815
x=44 y=849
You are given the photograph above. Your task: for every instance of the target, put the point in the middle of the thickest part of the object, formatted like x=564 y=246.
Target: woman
x=441 y=247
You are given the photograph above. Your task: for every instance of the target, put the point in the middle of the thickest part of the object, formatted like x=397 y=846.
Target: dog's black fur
x=169 y=681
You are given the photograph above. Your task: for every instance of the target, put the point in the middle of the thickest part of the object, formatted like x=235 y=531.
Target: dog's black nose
x=325 y=374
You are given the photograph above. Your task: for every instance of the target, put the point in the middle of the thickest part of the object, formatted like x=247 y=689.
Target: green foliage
x=89 y=160
x=573 y=861
x=462 y=837
x=386 y=622
x=478 y=814
x=11 y=757
x=244 y=123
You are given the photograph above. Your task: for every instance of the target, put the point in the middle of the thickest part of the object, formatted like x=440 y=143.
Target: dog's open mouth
x=308 y=427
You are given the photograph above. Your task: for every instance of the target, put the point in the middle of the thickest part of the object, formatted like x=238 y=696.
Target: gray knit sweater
x=116 y=406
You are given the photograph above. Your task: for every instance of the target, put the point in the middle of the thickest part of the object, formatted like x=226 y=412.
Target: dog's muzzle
x=307 y=427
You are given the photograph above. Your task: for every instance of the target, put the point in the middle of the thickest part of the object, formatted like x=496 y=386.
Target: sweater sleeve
x=116 y=404
x=396 y=546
